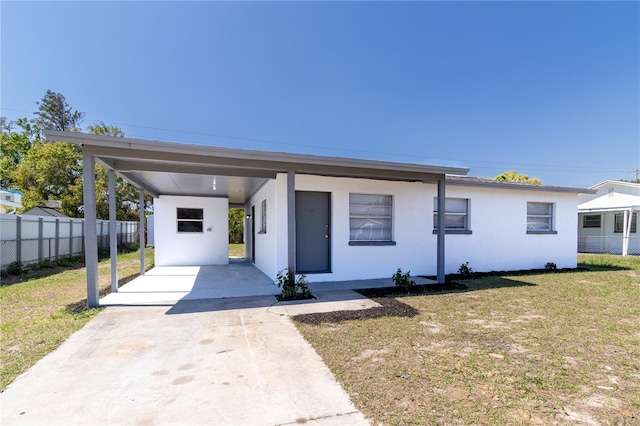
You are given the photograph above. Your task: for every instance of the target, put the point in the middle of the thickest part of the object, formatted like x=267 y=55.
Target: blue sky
x=548 y=88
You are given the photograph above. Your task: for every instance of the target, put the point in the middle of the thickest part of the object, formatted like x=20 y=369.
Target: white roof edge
x=609 y=209
x=617 y=182
x=182 y=148
x=518 y=186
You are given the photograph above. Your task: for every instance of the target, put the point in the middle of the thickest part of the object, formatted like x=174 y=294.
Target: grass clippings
x=537 y=348
x=41 y=310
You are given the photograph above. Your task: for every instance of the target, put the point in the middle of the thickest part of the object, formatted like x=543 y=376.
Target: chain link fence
x=611 y=245
x=33 y=239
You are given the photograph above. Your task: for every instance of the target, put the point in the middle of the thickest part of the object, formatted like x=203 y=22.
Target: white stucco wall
x=499 y=239
x=211 y=247
x=362 y=262
x=498 y=218
x=266 y=243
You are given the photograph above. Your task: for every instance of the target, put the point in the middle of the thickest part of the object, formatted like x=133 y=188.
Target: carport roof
x=169 y=168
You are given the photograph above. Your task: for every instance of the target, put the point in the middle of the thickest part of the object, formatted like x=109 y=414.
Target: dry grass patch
x=39 y=313
x=556 y=348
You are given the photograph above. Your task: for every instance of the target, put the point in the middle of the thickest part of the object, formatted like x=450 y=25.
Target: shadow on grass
x=389 y=307
x=36 y=273
x=604 y=267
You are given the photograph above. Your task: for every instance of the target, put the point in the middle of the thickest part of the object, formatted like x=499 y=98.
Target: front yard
x=557 y=348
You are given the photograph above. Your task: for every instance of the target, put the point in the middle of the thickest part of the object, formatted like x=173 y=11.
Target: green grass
x=236 y=250
x=42 y=310
x=527 y=349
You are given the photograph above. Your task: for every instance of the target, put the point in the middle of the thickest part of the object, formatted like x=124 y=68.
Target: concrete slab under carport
x=240 y=278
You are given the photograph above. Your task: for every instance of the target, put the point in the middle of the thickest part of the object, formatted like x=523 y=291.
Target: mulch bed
x=386 y=297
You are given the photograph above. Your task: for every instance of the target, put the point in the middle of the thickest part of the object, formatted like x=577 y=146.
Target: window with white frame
x=370 y=218
x=592 y=221
x=539 y=217
x=190 y=220
x=456 y=214
x=263 y=217
x=618 y=223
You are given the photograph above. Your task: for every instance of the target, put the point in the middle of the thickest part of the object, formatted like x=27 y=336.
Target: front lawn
x=41 y=312
x=527 y=349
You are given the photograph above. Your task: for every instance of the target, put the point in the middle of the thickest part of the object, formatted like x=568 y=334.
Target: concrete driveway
x=216 y=361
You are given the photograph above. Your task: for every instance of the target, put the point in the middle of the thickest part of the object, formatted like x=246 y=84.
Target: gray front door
x=313 y=232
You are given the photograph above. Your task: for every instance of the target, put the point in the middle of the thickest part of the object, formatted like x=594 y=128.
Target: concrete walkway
x=224 y=361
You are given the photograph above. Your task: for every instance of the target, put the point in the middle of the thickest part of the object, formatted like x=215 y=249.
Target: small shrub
x=103 y=253
x=67 y=261
x=550 y=266
x=128 y=247
x=15 y=268
x=292 y=288
x=402 y=280
x=47 y=264
x=4 y=273
x=465 y=271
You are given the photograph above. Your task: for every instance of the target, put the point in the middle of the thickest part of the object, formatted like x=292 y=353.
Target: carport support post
x=90 y=232
x=291 y=219
x=141 y=230
x=440 y=225
x=113 y=232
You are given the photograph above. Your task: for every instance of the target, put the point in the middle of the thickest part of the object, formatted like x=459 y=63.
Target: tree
x=512 y=176
x=236 y=226
x=55 y=114
x=51 y=171
x=14 y=146
x=127 y=195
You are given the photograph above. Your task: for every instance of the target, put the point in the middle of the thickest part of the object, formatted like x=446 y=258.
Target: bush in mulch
x=389 y=306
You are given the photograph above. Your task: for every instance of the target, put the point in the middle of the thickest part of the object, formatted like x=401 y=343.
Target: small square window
x=190 y=220
x=540 y=218
x=591 y=221
x=456 y=215
x=618 y=223
x=370 y=218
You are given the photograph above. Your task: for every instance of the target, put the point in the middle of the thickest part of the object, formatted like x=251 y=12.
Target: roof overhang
x=611 y=202
x=495 y=184
x=169 y=168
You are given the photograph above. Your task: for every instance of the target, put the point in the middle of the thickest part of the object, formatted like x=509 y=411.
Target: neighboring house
x=334 y=219
x=608 y=219
x=10 y=200
x=44 y=211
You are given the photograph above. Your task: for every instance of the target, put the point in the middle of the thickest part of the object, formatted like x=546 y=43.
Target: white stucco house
x=607 y=219
x=334 y=219
x=10 y=200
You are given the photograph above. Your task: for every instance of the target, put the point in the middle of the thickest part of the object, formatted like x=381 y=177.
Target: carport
x=167 y=168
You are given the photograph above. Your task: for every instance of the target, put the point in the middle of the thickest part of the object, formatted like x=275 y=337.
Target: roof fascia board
x=616 y=182
x=266 y=165
x=610 y=209
x=520 y=187
x=240 y=154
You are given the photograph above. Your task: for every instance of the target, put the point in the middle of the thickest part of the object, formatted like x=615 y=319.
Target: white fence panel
x=32 y=239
